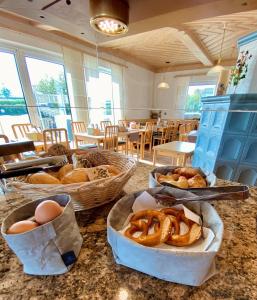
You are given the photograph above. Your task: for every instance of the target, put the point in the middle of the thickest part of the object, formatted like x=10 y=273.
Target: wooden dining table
x=178 y=151
x=99 y=139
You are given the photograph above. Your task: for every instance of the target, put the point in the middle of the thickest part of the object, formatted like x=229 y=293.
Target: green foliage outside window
x=193 y=102
x=51 y=86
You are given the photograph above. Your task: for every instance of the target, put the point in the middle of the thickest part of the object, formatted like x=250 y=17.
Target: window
x=104 y=90
x=12 y=101
x=195 y=93
x=50 y=91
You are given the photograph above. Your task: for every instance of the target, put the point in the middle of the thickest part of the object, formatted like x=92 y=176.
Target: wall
x=172 y=101
x=248 y=85
x=139 y=84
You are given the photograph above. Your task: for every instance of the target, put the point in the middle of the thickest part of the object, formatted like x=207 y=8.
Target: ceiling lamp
x=218 y=67
x=109 y=17
x=163 y=85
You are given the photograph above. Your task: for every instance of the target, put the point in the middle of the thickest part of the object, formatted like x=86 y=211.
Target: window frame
x=20 y=53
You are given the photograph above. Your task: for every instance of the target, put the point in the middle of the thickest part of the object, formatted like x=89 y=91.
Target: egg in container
x=53 y=246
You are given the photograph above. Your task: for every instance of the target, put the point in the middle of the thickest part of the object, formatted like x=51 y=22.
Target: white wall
x=139 y=84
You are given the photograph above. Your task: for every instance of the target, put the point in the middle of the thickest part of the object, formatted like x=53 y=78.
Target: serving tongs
x=205 y=194
x=33 y=166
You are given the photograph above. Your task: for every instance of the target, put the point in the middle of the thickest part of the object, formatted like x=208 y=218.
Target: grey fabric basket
x=49 y=249
x=190 y=268
x=210 y=177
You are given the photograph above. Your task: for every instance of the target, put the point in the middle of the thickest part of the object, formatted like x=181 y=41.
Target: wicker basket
x=89 y=194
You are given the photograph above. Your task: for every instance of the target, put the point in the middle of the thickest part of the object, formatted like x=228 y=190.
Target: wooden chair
x=111 y=137
x=149 y=124
x=78 y=127
x=182 y=133
x=21 y=130
x=148 y=137
x=103 y=124
x=55 y=136
x=189 y=127
x=123 y=123
x=165 y=136
x=133 y=140
x=175 y=133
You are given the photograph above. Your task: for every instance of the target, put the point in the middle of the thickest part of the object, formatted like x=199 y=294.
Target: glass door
x=50 y=91
x=13 y=109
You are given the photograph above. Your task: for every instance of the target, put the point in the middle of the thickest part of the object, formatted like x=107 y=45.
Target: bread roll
x=186 y=172
x=42 y=178
x=114 y=171
x=197 y=182
x=64 y=170
x=75 y=176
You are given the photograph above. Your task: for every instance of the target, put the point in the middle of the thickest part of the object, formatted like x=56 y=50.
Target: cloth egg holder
x=49 y=249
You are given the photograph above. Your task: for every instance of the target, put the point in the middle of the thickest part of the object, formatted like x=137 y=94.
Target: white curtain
x=104 y=84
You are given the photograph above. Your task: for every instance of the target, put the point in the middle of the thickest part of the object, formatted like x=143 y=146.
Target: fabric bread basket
x=210 y=177
x=49 y=249
x=185 y=267
x=89 y=194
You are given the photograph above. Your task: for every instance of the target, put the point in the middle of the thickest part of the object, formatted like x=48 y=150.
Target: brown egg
x=22 y=226
x=47 y=210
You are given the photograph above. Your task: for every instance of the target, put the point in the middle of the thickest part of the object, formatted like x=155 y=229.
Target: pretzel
x=192 y=235
x=138 y=224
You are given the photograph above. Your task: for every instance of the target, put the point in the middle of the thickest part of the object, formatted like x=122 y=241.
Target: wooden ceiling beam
x=225 y=63
x=194 y=45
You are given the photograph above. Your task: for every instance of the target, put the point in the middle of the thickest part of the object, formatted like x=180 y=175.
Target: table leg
x=127 y=141
x=154 y=157
x=141 y=145
x=184 y=158
x=76 y=142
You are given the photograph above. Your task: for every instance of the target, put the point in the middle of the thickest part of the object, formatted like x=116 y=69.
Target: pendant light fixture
x=163 y=85
x=109 y=17
x=218 y=67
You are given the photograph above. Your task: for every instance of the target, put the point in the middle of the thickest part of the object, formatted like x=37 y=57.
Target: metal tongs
x=206 y=194
x=33 y=166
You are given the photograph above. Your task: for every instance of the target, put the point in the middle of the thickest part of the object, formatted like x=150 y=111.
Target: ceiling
x=187 y=33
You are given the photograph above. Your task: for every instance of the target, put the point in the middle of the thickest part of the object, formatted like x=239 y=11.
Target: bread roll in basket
x=89 y=194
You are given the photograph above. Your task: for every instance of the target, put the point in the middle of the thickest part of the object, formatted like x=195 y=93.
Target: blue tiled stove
x=227 y=141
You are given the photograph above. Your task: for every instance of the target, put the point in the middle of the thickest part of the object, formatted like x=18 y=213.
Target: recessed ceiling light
x=109 y=17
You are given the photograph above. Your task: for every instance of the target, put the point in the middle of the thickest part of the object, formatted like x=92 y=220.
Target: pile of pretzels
x=164 y=226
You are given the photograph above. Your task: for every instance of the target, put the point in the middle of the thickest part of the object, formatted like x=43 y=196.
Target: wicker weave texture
x=89 y=194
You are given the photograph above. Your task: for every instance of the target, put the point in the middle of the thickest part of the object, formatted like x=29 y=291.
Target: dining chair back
x=182 y=129
x=78 y=126
x=111 y=137
x=123 y=123
x=21 y=130
x=103 y=124
x=189 y=127
x=55 y=136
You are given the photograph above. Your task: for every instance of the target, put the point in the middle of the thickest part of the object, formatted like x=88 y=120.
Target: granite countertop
x=96 y=276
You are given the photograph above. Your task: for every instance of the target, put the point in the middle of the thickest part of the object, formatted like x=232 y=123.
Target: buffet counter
x=96 y=276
